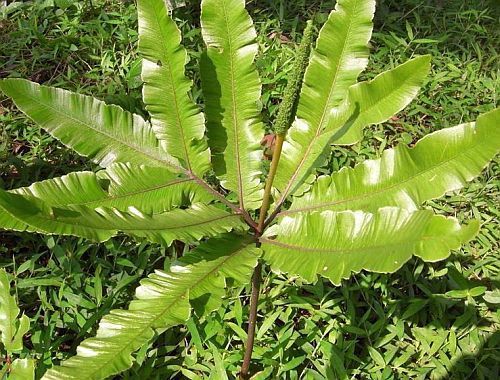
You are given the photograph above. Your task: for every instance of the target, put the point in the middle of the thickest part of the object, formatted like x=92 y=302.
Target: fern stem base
x=252 y=321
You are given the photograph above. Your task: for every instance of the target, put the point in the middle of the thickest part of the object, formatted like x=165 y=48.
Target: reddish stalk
x=257 y=274
x=252 y=322
x=235 y=208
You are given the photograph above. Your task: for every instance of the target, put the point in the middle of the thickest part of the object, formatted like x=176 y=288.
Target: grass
x=427 y=321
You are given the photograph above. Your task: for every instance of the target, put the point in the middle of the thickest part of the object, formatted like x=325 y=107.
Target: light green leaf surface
x=104 y=133
x=232 y=89
x=340 y=55
x=492 y=296
x=340 y=120
x=218 y=372
x=175 y=118
x=12 y=329
x=22 y=369
x=162 y=302
x=336 y=244
x=23 y=213
x=406 y=177
x=385 y=95
x=149 y=189
x=209 y=291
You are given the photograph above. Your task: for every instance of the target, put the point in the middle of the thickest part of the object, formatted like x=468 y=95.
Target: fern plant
x=155 y=178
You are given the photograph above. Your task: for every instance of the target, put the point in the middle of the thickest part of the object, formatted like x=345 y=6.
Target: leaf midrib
x=177 y=300
x=408 y=78
x=320 y=127
x=135 y=336
x=234 y=106
x=347 y=250
x=364 y=112
x=105 y=134
x=132 y=193
x=66 y=223
x=381 y=190
x=152 y=228
x=176 y=104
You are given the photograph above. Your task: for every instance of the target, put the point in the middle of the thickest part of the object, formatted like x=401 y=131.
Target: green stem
x=266 y=201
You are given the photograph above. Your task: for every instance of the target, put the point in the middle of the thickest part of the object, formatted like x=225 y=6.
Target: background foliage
x=425 y=321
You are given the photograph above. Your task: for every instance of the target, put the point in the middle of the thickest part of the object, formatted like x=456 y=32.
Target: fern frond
x=162 y=302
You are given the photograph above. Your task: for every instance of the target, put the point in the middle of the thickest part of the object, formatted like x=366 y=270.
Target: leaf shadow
x=212 y=92
x=485 y=363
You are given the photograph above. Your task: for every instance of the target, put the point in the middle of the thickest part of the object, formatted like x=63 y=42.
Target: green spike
x=288 y=106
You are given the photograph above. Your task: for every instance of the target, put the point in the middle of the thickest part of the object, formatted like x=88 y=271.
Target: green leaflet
x=22 y=369
x=149 y=189
x=406 y=177
x=340 y=119
x=104 y=133
x=175 y=118
x=340 y=55
x=237 y=260
x=12 y=329
x=231 y=87
x=368 y=103
x=162 y=302
x=336 y=244
x=385 y=95
x=22 y=213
